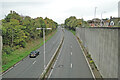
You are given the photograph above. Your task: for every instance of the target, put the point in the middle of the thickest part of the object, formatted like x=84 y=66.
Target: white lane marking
x=86 y=59
x=56 y=61
x=34 y=62
x=7 y=71
x=71 y=53
x=71 y=65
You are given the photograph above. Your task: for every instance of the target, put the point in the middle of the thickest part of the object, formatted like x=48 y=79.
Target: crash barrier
x=45 y=73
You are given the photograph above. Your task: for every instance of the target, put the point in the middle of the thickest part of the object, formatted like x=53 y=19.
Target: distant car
x=33 y=54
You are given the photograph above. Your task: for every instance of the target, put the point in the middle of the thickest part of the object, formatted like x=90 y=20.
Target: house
x=114 y=21
x=105 y=22
x=94 y=22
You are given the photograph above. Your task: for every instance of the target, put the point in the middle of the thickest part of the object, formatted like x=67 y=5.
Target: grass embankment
x=16 y=56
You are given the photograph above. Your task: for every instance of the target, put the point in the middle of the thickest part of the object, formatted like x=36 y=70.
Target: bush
x=91 y=61
x=23 y=44
x=88 y=55
x=7 y=50
x=17 y=47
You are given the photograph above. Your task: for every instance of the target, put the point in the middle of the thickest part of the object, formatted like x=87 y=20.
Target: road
x=71 y=62
x=33 y=67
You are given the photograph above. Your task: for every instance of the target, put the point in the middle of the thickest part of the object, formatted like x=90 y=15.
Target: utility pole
x=95 y=15
x=44 y=41
x=95 y=12
x=119 y=9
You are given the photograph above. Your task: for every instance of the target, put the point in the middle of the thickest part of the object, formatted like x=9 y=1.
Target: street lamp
x=101 y=16
x=95 y=12
x=95 y=15
x=44 y=40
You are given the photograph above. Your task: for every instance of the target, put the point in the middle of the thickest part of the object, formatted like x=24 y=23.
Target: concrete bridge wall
x=103 y=45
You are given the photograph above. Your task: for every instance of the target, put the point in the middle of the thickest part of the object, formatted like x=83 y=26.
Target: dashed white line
x=71 y=53
x=71 y=65
x=34 y=62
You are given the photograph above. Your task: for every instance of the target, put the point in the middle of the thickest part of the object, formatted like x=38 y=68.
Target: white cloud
x=59 y=10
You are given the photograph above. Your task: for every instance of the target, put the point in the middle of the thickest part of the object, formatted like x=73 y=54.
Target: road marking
x=7 y=71
x=34 y=62
x=56 y=61
x=71 y=65
x=71 y=53
x=86 y=59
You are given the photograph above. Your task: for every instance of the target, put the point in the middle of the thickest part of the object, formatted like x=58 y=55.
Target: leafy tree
x=18 y=30
x=72 y=22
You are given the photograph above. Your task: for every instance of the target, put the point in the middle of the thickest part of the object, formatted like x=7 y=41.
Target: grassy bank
x=17 y=55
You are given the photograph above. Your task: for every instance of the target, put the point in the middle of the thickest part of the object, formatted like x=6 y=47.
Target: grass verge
x=16 y=56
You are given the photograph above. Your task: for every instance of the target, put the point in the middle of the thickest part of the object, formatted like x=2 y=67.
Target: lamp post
x=95 y=16
x=44 y=41
x=95 y=12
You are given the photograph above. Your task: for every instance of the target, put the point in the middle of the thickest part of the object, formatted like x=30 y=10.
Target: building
x=119 y=9
x=94 y=22
x=115 y=21
x=106 y=22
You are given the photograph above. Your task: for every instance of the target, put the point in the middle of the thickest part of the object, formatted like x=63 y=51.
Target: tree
x=18 y=30
x=72 y=22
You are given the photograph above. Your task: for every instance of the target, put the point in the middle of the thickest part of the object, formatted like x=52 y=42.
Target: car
x=34 y=54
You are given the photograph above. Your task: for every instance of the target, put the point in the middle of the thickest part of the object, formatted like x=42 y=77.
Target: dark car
x=33 y=54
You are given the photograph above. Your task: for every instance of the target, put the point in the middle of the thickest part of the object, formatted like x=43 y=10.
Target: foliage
x=72 y=22
x=17 y=30
x=7 y=50
x=91 y=61
x=19 y=54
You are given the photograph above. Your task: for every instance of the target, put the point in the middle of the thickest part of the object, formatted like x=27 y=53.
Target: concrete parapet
x=103 y=45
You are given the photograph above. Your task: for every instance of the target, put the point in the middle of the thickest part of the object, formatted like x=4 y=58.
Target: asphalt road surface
x=33 y=67
x=71 y=62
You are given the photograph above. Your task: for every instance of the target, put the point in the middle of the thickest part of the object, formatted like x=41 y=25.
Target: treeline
x=72 y=22
x=17 y=30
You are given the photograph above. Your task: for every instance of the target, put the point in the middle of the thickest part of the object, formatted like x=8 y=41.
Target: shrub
x=17 y=47
x=91 y=61
x=88 y=55
x=7 y=50
x=23 y=44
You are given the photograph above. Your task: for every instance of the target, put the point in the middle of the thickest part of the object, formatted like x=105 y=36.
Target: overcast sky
x=59 y=10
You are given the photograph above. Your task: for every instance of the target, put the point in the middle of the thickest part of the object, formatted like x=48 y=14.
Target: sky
x=59 y=10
